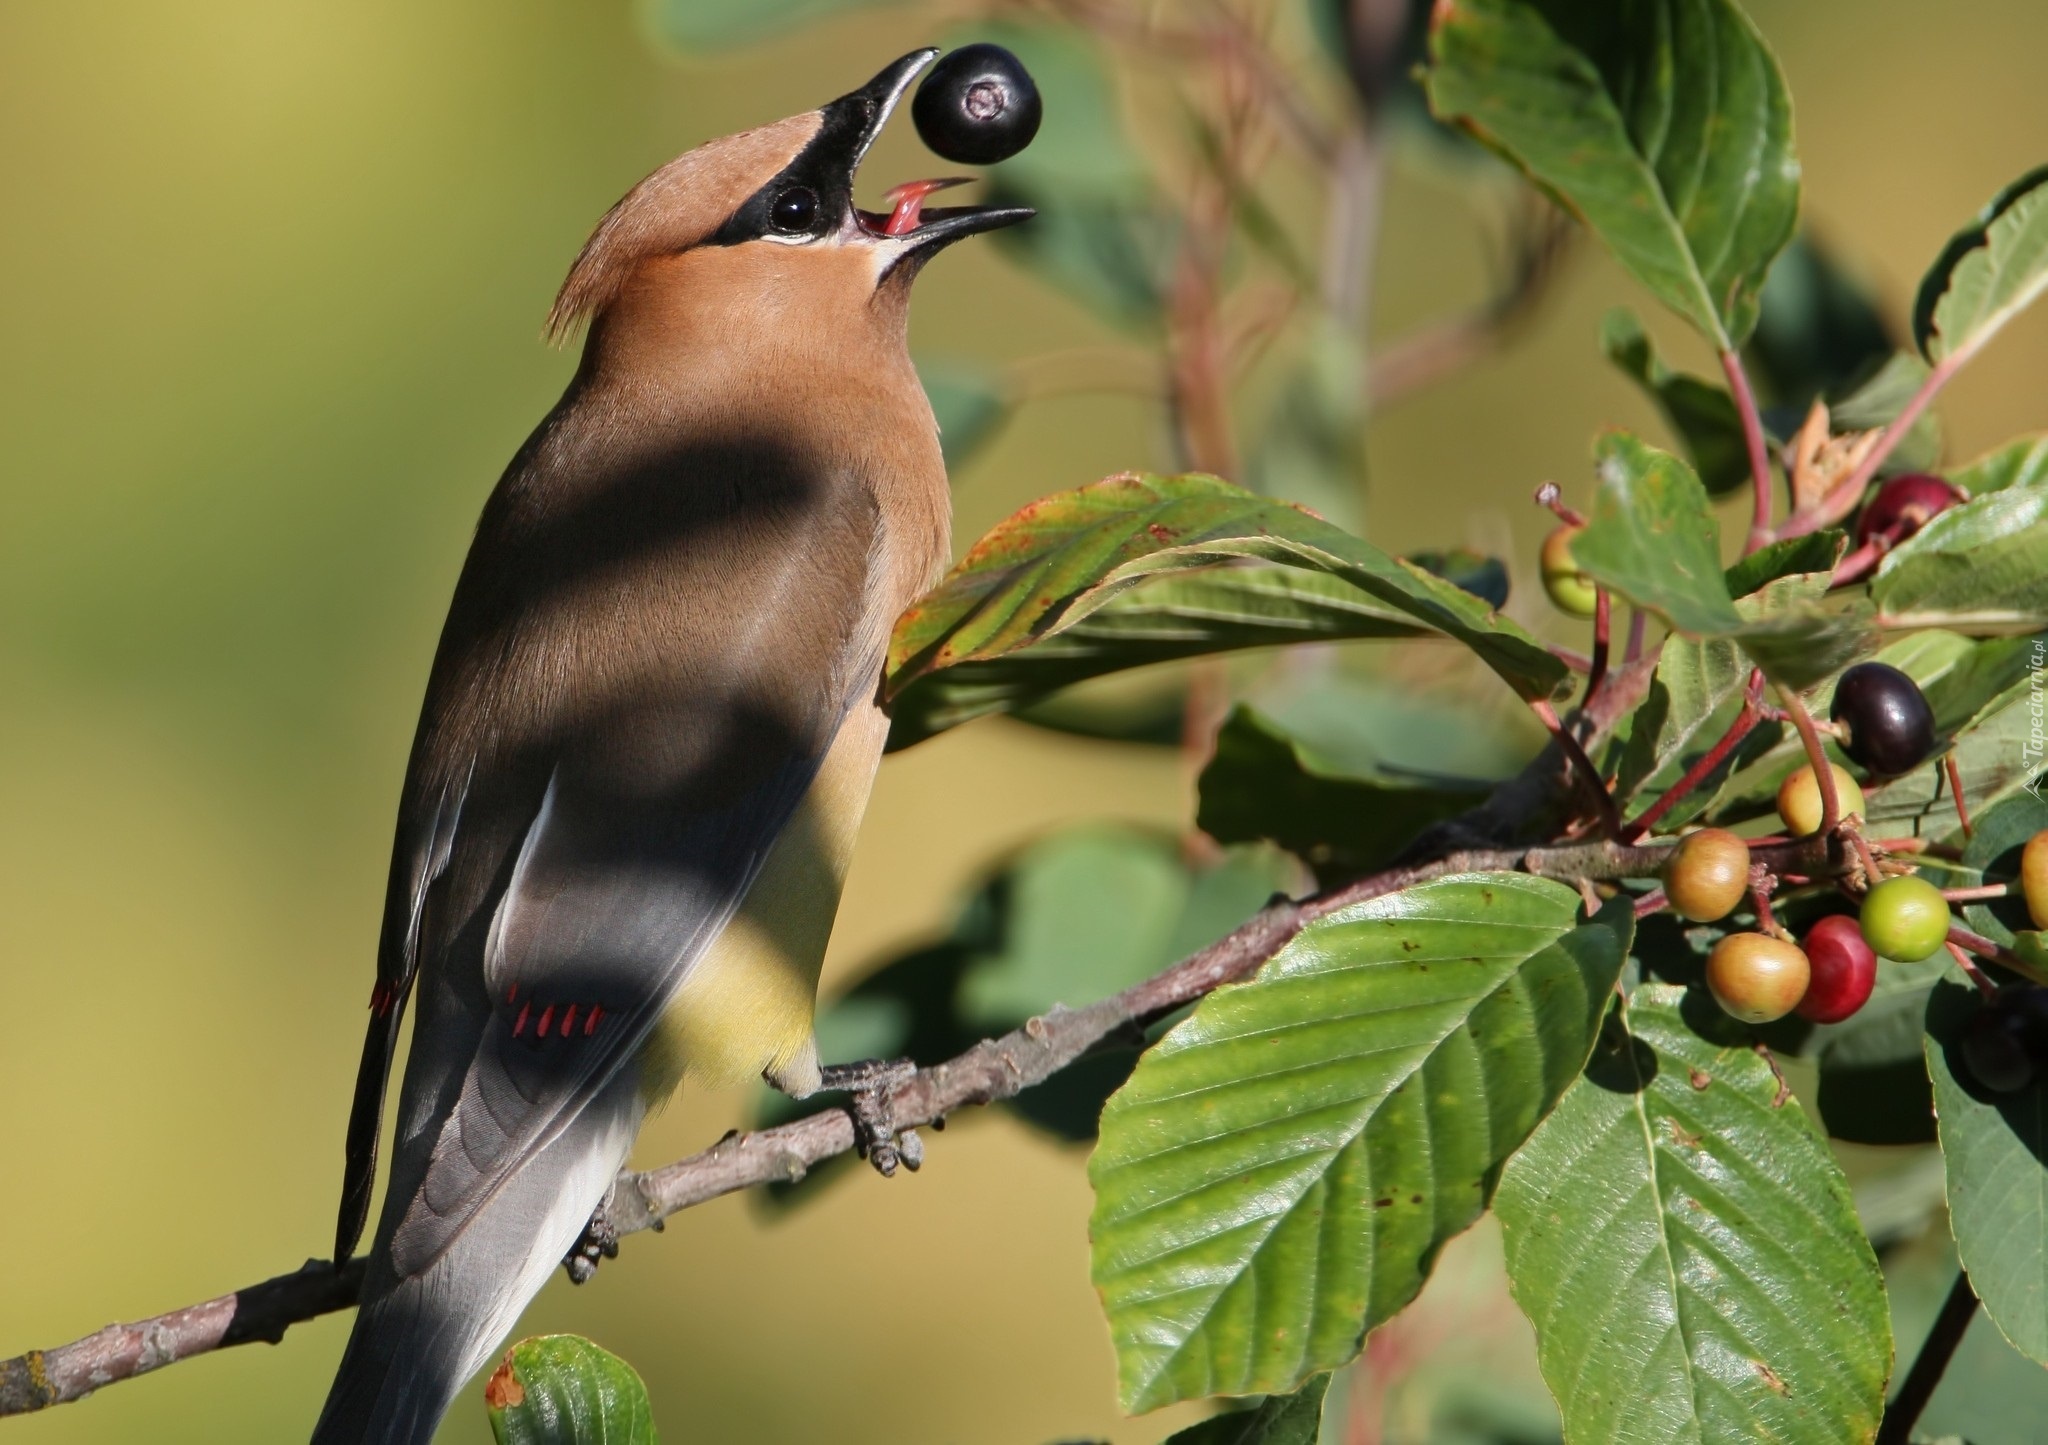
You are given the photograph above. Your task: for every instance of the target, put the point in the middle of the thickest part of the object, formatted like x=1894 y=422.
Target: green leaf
x=1994 y=1145
x=1811 y=552
x=1980 y=568
x=1279 y=1173
x=1993 y=853
x=1989 y=272
x=1686 y=1248
x=1702 y=413
x=2021 y=462
x=1652 y=537
x=1804 y=644
x=1173 y=616
x=1312 y=450
x=1694 y=699
x=1295 y=1419
x=564 y=1390
x=968 y=402
x=1061 y=559
x=1820 y=327
x=1262 y=783
x=1664 y=126
x=704 y=25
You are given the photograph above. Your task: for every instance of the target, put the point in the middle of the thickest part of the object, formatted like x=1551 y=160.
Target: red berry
x=1903 y=505
x=1844 y=970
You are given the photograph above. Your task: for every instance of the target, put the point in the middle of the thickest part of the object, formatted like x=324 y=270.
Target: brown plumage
x=649 y=731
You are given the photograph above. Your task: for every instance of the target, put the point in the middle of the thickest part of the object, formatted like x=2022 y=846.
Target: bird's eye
x=794 y=209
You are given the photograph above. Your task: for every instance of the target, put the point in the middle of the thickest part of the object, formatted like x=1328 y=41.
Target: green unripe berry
x=1757 y=978
x=1570 y=589
x=1707 y=874
x=1799 y=800
x=1905 y=918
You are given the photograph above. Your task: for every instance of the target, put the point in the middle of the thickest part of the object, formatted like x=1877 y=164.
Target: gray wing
x=621 y=826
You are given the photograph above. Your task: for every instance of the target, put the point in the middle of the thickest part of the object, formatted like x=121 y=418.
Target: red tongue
x=907 y=203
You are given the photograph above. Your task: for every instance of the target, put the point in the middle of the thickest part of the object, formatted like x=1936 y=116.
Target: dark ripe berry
x=1883 y=719
x=1707 y=874
x=1572 y=590
x=2034 y=878
x=1800 y=803
x=1997 y=1050
x=978 y=106
x=1902 y=507
x=1905 y=918
x=1757 y=978
x=1844 y=970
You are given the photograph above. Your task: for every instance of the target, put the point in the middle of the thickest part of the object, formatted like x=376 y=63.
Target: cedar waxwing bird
x=650 y=728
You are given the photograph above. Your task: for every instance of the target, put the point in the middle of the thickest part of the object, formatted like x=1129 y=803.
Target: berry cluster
x=1884 y=724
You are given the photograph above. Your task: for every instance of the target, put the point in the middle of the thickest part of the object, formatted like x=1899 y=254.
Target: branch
x=993 y=1070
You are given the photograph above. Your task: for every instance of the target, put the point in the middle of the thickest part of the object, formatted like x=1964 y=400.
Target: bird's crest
x=674 y=209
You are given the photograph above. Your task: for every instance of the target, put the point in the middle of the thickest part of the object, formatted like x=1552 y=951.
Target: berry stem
x=1588 y=775
x=1638 y=622
x=1761 y=884
x=1928 y=1366
x=1650 y=902
x=1745 y=721
x=1552 y=496
x=1857 y=565
x=1955 y=788
x=1753 y=440
x=1823 y=771
x=1603 y=625
x=1986 y=989
x=1976 y=895
x=1977 y=943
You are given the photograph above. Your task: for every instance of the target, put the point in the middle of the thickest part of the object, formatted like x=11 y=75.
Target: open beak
x=907 y=224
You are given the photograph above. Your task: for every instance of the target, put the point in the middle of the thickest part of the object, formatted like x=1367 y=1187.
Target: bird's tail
x=418 y=1338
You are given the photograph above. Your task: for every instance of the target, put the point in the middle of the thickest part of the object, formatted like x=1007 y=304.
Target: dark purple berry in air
x=1885 y=722
x=1996 y=1048
x=978 y=106
x=1903 y=506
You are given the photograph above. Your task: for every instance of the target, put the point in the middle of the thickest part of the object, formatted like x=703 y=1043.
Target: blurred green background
x=275 y=274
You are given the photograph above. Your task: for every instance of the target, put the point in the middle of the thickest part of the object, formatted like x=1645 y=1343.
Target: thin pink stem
x=1603 y=626
x=1823 y=771
x=1637 y=625
x=1745 y=721
x=1976 y=895
x=1955 y=788
x=1843 y=497
x=1960 y=937
x=1753 y=440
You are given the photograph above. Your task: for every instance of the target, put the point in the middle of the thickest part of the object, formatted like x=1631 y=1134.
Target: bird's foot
x=599 y=1241
x=872 y=1083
